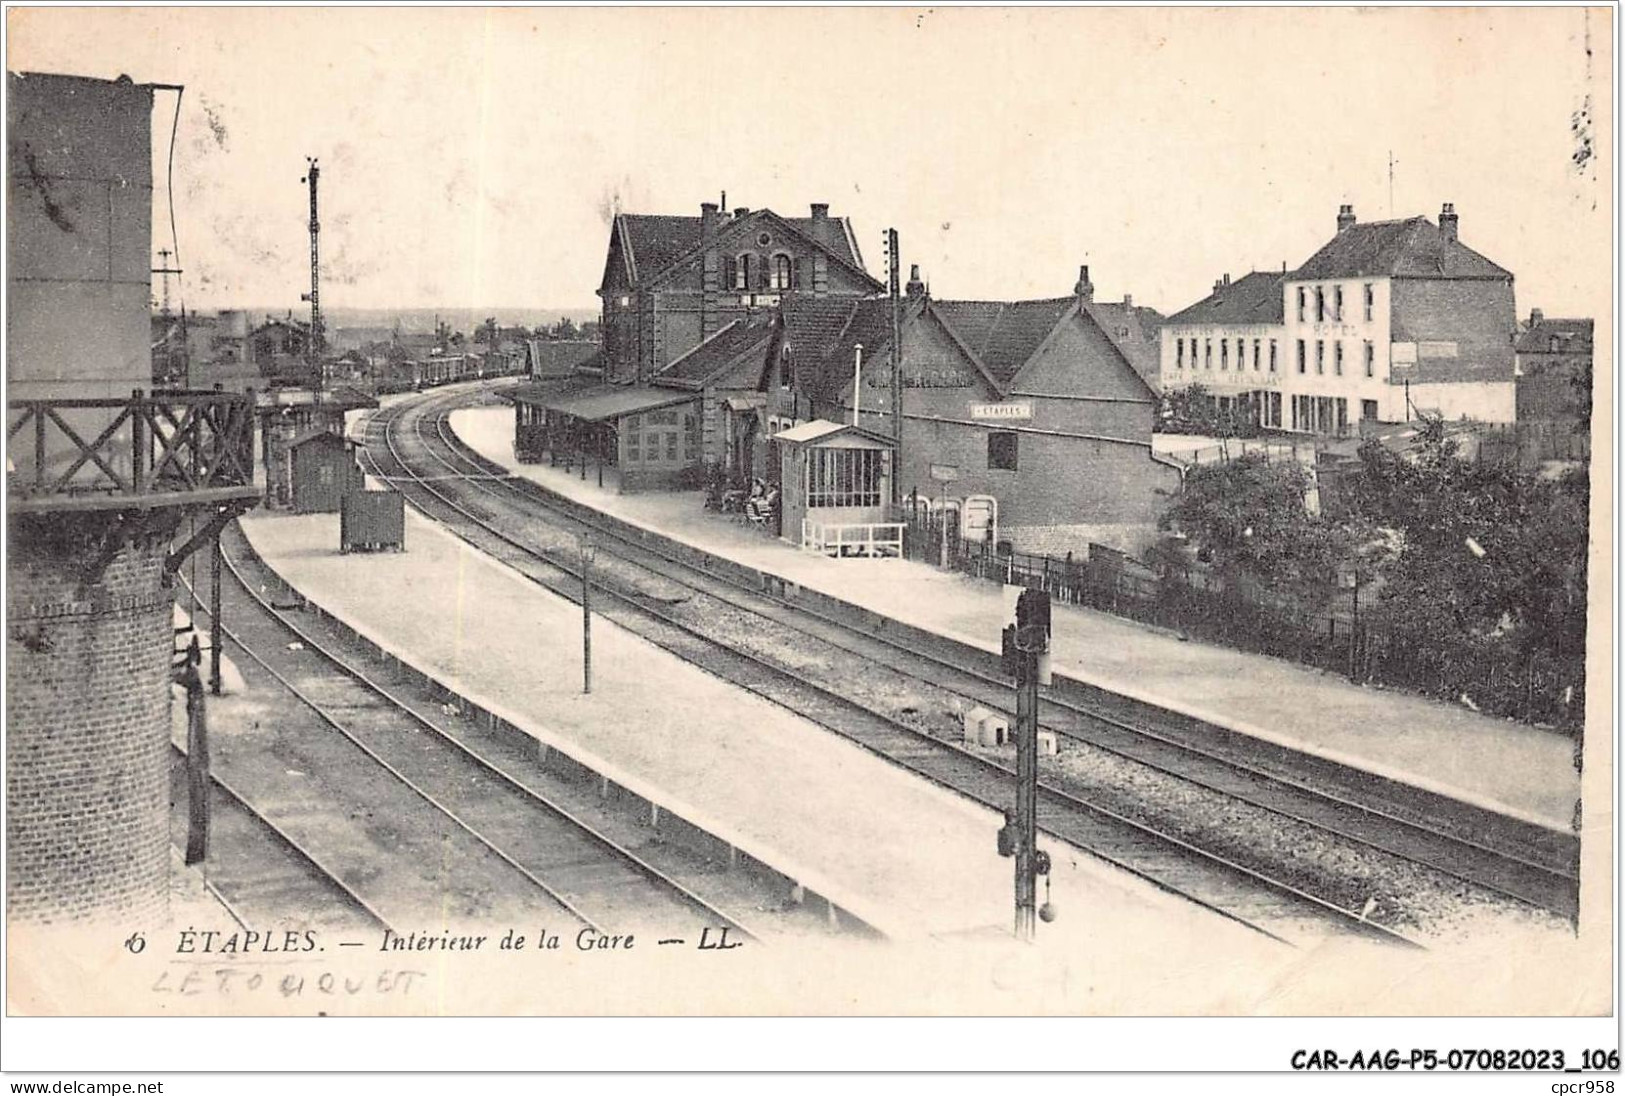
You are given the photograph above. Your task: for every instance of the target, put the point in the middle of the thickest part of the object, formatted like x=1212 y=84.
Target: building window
x=1272 y=355
x=1207 y=353
x=1179 y=353
x=1337 y=304
x=843 y=477
x=1001 y=451
x=781 y=272
x=1224 y=353
x=1370 y=360
x=1320 y=356
x=1368 y=410
x=1303 y=356
x=1337 y=357
x=742 y=272
x=1302 y=293
x=1370 y=300
x=1320 y=304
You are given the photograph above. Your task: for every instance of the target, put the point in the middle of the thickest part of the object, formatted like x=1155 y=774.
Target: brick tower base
x=89 y=632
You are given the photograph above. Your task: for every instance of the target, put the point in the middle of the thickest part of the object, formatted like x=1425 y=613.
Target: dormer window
x=782 y=268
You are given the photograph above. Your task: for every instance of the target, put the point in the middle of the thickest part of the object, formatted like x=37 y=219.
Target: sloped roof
x=822 y=429
x=1574 y=337
x=1412 y=248
x=741 y=338
x=1142 y=344
x=558 y=358
x=608 y=401
x=823 y=333
x=1253 y=298
x=1004 y=335
x=318 y=433
x=655 y=242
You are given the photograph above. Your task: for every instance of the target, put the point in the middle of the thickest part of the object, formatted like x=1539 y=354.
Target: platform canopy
x=611 y=401
x=819 y=430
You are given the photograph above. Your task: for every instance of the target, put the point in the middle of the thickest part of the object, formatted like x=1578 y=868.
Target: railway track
x=498 y=848
x=653 y=604
x=263 y=876
x=1513 y=859
x=1528 y=864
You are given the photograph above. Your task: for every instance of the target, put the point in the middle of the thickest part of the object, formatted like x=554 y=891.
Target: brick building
x=1037 y=403
x=679 y=293
x=671 y=282
x=1388 y=320
x=1554 y=377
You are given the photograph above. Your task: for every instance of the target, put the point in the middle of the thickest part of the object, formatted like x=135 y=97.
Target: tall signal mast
x=315 y=294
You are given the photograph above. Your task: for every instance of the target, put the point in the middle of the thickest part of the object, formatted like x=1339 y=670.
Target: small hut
x=835 y=490
x=324 y=471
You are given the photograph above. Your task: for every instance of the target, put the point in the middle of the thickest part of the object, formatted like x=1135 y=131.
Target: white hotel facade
x=1388 y=321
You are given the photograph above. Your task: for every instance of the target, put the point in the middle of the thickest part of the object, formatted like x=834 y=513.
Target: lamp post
x=589 y=552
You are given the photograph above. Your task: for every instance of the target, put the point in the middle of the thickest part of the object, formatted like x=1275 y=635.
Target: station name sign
x=1001 y=412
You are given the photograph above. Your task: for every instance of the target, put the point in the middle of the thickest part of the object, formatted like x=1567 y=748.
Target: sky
x=474 y=158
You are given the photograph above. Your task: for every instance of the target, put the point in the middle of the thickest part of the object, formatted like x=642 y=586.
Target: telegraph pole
x=315 y=294
x=896 y=369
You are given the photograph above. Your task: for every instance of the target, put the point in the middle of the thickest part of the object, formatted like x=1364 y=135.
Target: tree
x=1491 y=567
x=487 y=332
x=565 y=329
x=1248 y=518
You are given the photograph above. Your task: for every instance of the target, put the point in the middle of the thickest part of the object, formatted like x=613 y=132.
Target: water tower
x=102 y=474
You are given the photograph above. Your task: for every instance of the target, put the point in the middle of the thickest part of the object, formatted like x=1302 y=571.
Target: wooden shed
x=835 y=490
x=324 y=471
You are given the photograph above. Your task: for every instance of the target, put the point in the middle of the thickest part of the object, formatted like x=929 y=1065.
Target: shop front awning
x=608 y=402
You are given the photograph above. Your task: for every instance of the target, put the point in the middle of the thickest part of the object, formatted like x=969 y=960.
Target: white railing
x=874 y=539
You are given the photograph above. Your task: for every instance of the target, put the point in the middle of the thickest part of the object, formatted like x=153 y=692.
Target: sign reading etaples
x=1019 y=409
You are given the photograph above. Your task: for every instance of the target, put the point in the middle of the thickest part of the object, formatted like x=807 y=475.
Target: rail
x=874 y=538
x=139 y=448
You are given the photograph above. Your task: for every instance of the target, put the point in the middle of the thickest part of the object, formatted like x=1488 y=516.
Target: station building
x=683 y=299
x=1037 y=403
x=1389 y=320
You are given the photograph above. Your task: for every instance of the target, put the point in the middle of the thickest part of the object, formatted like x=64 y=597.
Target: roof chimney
x=1227 y=279
x=1448 y=220
x=1085 y=289
x=1536 y=317
x=741 y=213
x=1128 y=300
x=915 y=286
x=1218 y=284
x=1345 y=218
x=708 y=220
x=820 y=210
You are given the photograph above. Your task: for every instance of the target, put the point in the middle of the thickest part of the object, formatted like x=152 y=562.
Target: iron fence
x=1330 y=633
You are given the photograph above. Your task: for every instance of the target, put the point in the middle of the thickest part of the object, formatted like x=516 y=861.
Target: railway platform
x=1517 y=770
x=910 y=860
